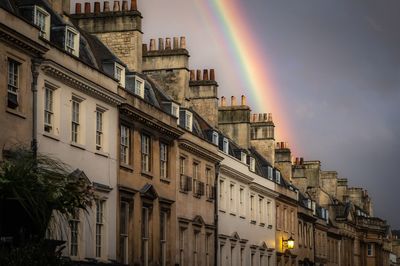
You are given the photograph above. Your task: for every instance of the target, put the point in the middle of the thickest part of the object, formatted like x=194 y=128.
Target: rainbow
x=233 y=30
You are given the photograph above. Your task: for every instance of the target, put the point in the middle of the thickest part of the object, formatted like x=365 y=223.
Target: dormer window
x=225 y=145
x=252 y=164
x=71 y=41
x=119 y=74
x=215 y=139
x=243 y=157
x=186 y=119
x=175 y=110
x=278 y=177
x=270 y=172
x=42 y=19
x=139 y=87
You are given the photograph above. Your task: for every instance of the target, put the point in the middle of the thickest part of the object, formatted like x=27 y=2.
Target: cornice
x=224 y=169
x=18 y=40
x=80 y=83
x=150 y=121
x=200 y=151
x=261 y=189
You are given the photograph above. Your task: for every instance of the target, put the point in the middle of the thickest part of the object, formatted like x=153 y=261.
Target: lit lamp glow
x=289 y=243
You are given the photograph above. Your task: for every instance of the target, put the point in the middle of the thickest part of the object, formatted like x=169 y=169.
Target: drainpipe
x=35 y=73
x=217 y=166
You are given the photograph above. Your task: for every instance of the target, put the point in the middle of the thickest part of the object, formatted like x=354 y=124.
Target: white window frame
x=225 y=145
x=13 y=79
x=278 y=176
x=163 y=160
x=74 y=223
x=270 y=173
x=139 y=87
x=41 y=18
x=269 y=213
x=252 y=164
x=261 y=210
x=48 y=109
x=188 y=120
x=119 y=74
x=75 y=119
x=242 y=208
x=146 y=152
x=71 y=45
x=215 y=138
x=125 y=144
x=175 y=110
x=232 y=198
x=243 y=157
x=100 y=112
x=222 y=196
x=100 y=232
x=253 y=208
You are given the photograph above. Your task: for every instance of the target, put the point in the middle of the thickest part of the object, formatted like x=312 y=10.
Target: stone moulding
x=198 y=150
x=77 y=82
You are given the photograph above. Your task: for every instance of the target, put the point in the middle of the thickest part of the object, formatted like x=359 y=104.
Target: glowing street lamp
x=289 y=243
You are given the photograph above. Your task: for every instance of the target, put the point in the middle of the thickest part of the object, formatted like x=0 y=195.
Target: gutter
x=35 y=63
x=217 y=168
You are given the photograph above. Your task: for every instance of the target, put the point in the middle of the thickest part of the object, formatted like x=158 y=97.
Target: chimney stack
x=87 y=7
x=116 y=6
x=160 y=44
x=269 y=117
x=96 y=7
x=183 y=42
x=78 y=8
x=192 y=75
x=205 y=74
x=223 y=101
x=133 y=4
x=198 y=74
x=243 y=100
x=167 y=43
x=152 y=44
x=212 y=74
x=301 y=160
x=106 y=6
x=176 y=43
x=233 y=101
x=144 y=48
x=254 y=117
x=297 y=161
x=125 y=5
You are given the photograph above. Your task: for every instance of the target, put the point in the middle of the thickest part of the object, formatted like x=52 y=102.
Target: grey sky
x=337 y=68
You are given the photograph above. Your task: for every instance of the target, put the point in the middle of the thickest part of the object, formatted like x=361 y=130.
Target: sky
x=331 y=72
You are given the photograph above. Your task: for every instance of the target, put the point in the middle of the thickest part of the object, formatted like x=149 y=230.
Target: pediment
x=148 y=191
x=198 y=220
x=79 y=174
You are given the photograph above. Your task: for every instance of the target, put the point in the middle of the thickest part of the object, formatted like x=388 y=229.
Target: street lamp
x=289 y=243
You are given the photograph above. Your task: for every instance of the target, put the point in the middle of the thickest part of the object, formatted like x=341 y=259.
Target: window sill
x=165 y=180
x=183 y=191
x=232 y=213
x=241 y=216
x=77 y=145
x=16 y=113
x=210 y=200
x=51 y=136
x=126 y=167
x=101 y=153
x=269 y=226
x=262 y=224
x=222 y=211
x=253 y=222
x=147 y=174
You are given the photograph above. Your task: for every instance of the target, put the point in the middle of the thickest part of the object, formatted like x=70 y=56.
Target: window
x=370 y=249
x=252 y=208
x=139 y=87
x=232 y=202
x=215 y=138
x=175 y=110
x=99 y=128
x=182 y=165
x=241 y=200
x=48 y=109
x=145 y=235
x=13 y=83
x=163 y=160
x=74 y=226
x=118 y=72
x=278 y=217
x=270 y=172
x=243 y=157
x=71 y=41
x=195 y=170
x=145 y=153
x=261 y=212
x=42 y=19
x=207 y=248
x=210 y=184
x=75 y=120
x=99 y=226
x=278 y=176
x=188 y=120
x=252 y=164
x=196 y=246
x=269 y=213
x=163 y=237
x=123 y=236
x=222 y=193
x=182 y=245
x=125 y=149
x=285 y=220
x=225 y=145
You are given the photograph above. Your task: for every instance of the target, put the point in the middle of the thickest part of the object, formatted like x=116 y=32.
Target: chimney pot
x=133 y=4
x=254 y=117
x=260 y=117
x=233 y=101
x=212 y=74
x=183 y=42
x=265 y=117
x=269 y=117
x=160 y=44
x=192 y=74
x=176 y=43
x=78 y=8
x=243 y=100
x=116 y=6
x=96 y=7
x=106 y=6
x=152 y=44
x=87 y=7
x=168 y=44
x=223 y=101
x=297 y=161
x=144 y=48
x=198 y=74
x=301 y=160
x=125 y=5
x=205 y=74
